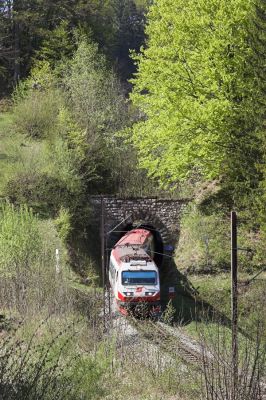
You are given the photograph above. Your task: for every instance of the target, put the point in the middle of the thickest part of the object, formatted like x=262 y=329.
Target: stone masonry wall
x=163 y=215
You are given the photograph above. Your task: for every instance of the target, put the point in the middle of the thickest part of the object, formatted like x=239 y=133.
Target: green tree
x=96 y=99
x=95 y=93
x=44 y=28
x=6 y=51
x=58 y=46
x=129 y=24
x=201 y=86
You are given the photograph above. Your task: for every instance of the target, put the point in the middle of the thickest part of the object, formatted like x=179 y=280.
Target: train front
x=139 y=292
x=138 y=285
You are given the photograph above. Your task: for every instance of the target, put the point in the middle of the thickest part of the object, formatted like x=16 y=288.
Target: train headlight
x=128 y=293
x=149 y=293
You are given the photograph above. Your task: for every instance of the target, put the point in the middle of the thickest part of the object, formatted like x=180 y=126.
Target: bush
x=46 y=175
x=221 y=379
x=37 y=101
x=27 y=263
x=43 y=193
x=95 y=93
x=35 y=115
x=63 y=224
x=48 y=368
x=204 y=243
x=19 y=238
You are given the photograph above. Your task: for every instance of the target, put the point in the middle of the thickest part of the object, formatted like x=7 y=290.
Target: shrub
x=48 y=368
x=63 y=224
x=27 y=263
x=205 y=241
x=19 y=237
x=35 y=114
x=95 y=94
x=43 y=193
x=36 y=102
x=46 y=175
x=228 y=379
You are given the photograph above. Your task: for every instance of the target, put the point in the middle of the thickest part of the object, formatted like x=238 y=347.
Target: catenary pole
x=102 y=254
x=234 y=309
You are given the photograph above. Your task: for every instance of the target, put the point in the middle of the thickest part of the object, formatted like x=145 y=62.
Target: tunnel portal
x=160 y=216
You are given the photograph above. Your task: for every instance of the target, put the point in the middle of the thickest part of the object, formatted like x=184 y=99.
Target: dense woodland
x=44 y=30
x=178 y=88
x=134 y=98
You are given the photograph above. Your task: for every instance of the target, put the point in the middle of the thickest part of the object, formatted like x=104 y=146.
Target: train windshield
x=139 y=278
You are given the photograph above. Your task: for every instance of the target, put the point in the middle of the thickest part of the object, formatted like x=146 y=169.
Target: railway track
x=170 y=340
x=176 y=343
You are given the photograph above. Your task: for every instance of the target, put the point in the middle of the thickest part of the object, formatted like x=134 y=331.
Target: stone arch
x=164 y=242
x=159 y=214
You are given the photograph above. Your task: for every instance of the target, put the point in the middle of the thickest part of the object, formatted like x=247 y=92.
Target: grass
x=84 y=288
x=100 y=366
x=5 y=125
x=143 y=371
x=44 y=361
x=6 y=121
x=15 y=151
x=216 y=291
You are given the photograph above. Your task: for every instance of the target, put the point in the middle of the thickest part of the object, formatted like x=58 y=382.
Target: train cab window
x=139 y=278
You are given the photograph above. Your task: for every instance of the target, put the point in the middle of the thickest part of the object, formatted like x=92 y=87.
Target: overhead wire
x=120 y=223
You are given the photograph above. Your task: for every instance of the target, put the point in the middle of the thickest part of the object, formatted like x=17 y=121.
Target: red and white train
x=133 y=274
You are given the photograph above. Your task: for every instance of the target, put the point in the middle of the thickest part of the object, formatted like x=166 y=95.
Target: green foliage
x=48 y=174
x=94 y=91
x=128 y=33
x=41 y=77
x=36 y=114
x=63 y=164
x=204 y=243
x=41 y=192
x=216 y=289
x=86 y=386
x=78 y=150
x=199 y=90
x=58 y=45
x=48 y=368
x=169 y=313
x=20 y=240
x=26 y=242
x=37 y=101
x=6 y=120
x=69 y=130
x=143 y=4
x=63 y=224
x=41 y=29
x=97 y=101
x=27 y=263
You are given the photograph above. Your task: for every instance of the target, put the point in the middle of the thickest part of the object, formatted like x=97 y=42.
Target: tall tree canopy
x=201 y=87
x=43 y=29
